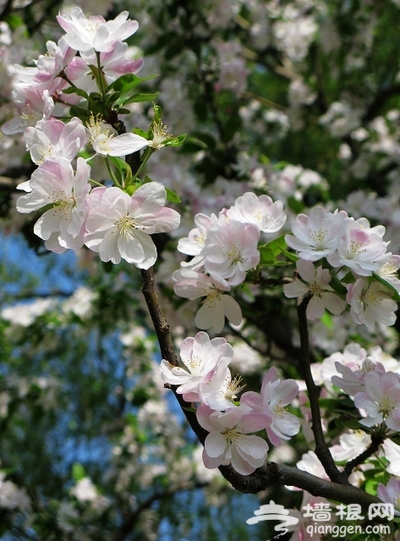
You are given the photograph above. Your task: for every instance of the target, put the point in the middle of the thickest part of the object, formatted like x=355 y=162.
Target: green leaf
x=337 y=286
x=137 y=98
x=80 y=112
x=78 y=471
x=126 y=83
x=396 y=295
x=172 y=197
x=269 y=253
x=74 y=90
x=174 y=141
x=142 y=133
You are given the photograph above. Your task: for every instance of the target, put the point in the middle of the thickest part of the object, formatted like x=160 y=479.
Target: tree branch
x=321 y=448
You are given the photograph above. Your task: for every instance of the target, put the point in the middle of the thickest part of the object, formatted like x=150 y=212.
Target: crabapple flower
x=228 y=441
x=271 y=403
x=220 y=390
x=231 y=250
x=200 y=356
x=36 y=105
x=360 y=248
x=113 y=64
x=54 y=183
x=267 y=215
x=390 y=493
x=215 y=307
x=193 y=244
x=316 y=236
x=105 y=141
x=380 y=399
x=352 y=381
x=370 y=303
x=391 y=451
x=95 y=32
x=119 y=225
x=57 y=59
x=388 y=270
x=322 y=295
x=54 y=139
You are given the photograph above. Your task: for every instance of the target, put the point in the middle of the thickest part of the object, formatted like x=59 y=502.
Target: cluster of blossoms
x=354 y=263
x=224 y=247
x=375 y=391
x=113 y=221
x=206 y=380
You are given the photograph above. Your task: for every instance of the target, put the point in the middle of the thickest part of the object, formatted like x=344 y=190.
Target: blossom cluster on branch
x=72 y=106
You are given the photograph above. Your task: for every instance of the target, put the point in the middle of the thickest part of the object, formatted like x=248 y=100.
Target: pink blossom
x=388 y=270
x=119 y=225
x=271 y=404
x=113 y=64
x=201 y=356
x=380 y=400
x=370 y=303
x=55 y=183
x=317 y=285
x=390 y=493
x=360 y=248
x=231 y=250
x=37 y=105
x=193 y=244
x=316 y=236
x=215 y=307
x=228 y=441
x=352 y=380
x=267 y=215
x=51 y=65
x=95 y=32
x=219 y=390
x=54 y=139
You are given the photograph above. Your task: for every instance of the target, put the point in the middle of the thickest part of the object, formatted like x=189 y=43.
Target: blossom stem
x=145 y=158
x=321 y=448
x=376 y=441
x=112 y=175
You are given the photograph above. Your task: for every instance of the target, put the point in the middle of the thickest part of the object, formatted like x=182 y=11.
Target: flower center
x=212 y=297
x=356 y=248
x=126 y=226
x=386 y=405
x=234 y=254
x=194 y=364
x=318 y=237
x=315 y=288
x=233 y=387
x=231 y=435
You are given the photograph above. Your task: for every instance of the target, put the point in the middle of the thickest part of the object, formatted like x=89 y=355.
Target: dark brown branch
x=321 y=448
x=376 y=442
x=162 y=328
x=272 y=474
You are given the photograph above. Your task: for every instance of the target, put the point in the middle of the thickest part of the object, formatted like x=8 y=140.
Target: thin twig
x=321 y=447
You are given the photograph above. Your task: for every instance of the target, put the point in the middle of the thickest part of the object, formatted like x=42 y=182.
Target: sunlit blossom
x=229 y=442
x=317 y=286
x=119 y=226
x=201 y=357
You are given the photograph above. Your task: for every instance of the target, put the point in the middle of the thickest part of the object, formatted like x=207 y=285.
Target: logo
x=274 y=511
x=318 y=518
